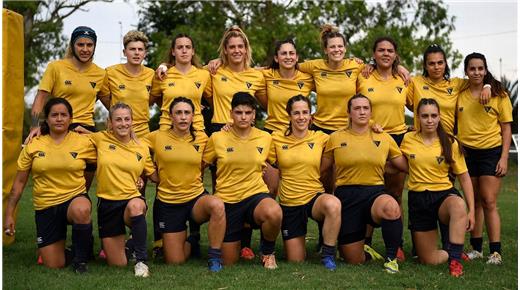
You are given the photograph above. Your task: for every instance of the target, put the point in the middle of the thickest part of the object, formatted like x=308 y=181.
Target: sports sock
x=392 y=234
x=267 y=247
x=368 y=241
x=495 y=247
x=81 y=242
x=476 y=244
x=327 y=250
x=455 y=251
x=214 y=253
x=247 y=232
x=139 y=237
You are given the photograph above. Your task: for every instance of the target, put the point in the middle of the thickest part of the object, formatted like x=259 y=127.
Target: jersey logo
x=112 y=147
x=197 y=84
x=399 y=89
x=172 y=84
x=41 y=154
x=148 y=88
x=439 y=159
x=300 y=84
x=323 y=74
x=276 y=82
x=196 y=147
x=93 y=84
x=248 y=85
x=377 y=143
x=122 y=87
x=285 y=147
x=461 y=109
x=224 y=79
x=168 y=148
x=260 y=149
x=39 y=240
x=311 y=145
x=68 y=83
x=162 y=225
x=487 y=108
x=425 y=88
x=412 y=156
x=74 y=154
x=343 y=144
x=348 y=73
x=370 y=90
x=449 y=90
x=139 y=156
x=229 y=149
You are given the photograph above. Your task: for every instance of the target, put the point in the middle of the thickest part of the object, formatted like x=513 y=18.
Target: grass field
x=20 y=270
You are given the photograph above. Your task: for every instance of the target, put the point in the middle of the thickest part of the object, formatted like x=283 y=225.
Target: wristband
x=487 y=86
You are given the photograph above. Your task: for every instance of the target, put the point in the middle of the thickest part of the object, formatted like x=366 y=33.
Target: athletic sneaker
x=102 y=254
x=40 y=260
x=329 y=262
x=79 y=268
x=141 y=270
x=372 y=253
x=456 y=268
x=400 y=255
x=215 y=264
x=269 y=262
x=464 y=257
x=475 y=255
x=247 y=253
x=391 y=266
x=494 y=259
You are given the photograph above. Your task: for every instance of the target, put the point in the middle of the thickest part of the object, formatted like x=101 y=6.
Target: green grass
x=20 y=270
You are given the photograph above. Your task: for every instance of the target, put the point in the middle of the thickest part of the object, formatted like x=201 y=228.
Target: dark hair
x=329 y=31
x=435 y=48
x=497 y=89
x=288 y=109
x=243 y=98
x=170 y=59
x=396 y=62
x=44 y=127
x=277 y=46
x=445 y=139
x=189 y=102
x=349 y=104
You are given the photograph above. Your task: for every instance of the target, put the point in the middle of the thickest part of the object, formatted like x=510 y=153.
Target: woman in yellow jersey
x=181 y=195
x=297 y=154
x=240 y=156
x=387 y=94
x=131 y=82
x=432 y=154
x=485 y=132
x=56 y=159
x=121 y=160
x=75 y=78
x=185 y=77
x=359 y=156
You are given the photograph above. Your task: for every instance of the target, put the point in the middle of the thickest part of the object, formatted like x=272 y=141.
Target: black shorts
x=294 y=221
x=172 y=217
x=111 y=217
x=213 y=127
x=326 y=131
x=482 y=162
x=398 y=138
x=423 y=208
x=239 y=213
x=51 y=223
x=356 y=203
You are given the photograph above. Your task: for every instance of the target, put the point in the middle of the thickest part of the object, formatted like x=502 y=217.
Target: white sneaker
x=141 y=270
x=494 y=259
x=475 y=255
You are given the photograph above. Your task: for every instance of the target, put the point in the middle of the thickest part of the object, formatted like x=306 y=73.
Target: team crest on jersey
x=487 y=108
x=139 y=156
x=230 y=149
x=93 y=84
x=399 y=89
x=172 y=84
x=348 y=73
x=260 y=149
x=343 y=144
x=300 y=84
x=370 y=90
x=285 y=147
x=224 y=79
x=425 y=88
x=112 y=147
x=68 y=83
x=323 y=74
x=74 y=154
x=276 y=82
x=39 y=240
x=377 y=143
x=197 y=84
x=461 y=109
x=41 y=154
x=412 y=156
x=449 y=90
x=196 y=147
x=439 y=159
x=248 y=85
x=168 y=148
x=311 y=144
x=122 y=87
x=148 y=88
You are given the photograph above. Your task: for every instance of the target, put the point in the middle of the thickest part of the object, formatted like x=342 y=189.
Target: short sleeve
x=271 y=158
x=306 y=67
x=156 y=87
x=393 y=149
x=25 y=159
x=329 y=148
x=149 y=167
x=210 y=153
x=105 y=88
x=459 y=163
x=48 y=79
x=505 y=109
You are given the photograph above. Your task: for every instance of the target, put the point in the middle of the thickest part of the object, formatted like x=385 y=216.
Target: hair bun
x=328 y=28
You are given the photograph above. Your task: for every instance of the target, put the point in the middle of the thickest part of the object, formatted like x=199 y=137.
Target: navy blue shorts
x=294 y=221
x=111 y=217
x=172 y=217
x=239 y=213
x=423 y=208
x=482 y=162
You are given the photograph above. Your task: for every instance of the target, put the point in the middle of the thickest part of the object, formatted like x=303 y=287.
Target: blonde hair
x=135 y=35
x=235 y=31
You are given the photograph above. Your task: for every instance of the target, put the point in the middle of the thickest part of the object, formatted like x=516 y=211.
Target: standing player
x=56 y=159
x=121 y=160
x=432 y=154
x=485 y=132
x=240 y=156
x=297 y=154
x=180 y=194
x=359 y=156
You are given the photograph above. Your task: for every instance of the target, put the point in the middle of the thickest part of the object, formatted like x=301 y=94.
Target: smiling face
x=58 y=119
x=182 y=117
x=435 y=66
x=243 y=116
x=286 y=56
x=360 y=111
x=335 y=49
x=121 y=122
x=183 y=50
x=84 y=49
x=135 y=52
x=235 y=50
x=429 y=118
x=385 y=54
x=476 y=71
x=300 y=116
